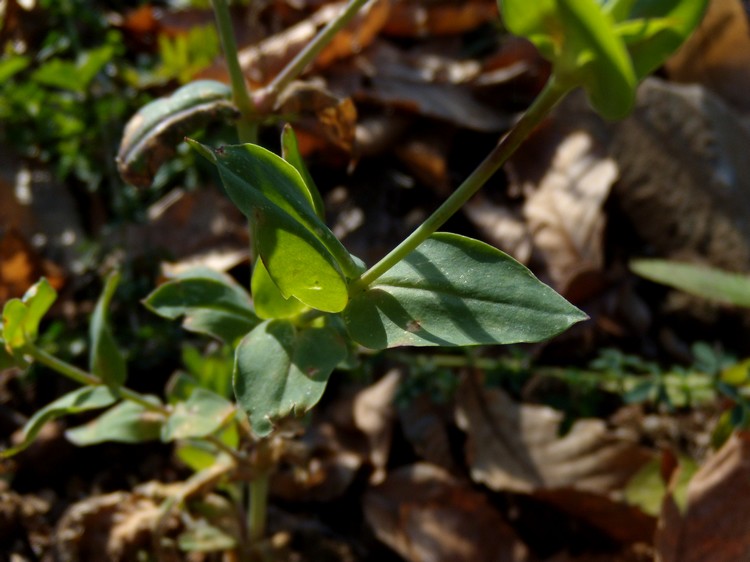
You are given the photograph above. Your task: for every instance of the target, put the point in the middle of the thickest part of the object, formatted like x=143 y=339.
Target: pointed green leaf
x=267 y=298
x=455 y=291
x=302 y=256
x=81 y=400
x=654 y=30
x=699 y=280
x=282 y=370
x=201 y=415
x=127 y=422
x=21 y=318
x=578 y=38
x=210 y=302
x=105 y=359
x=290 y=152
x=200 y=454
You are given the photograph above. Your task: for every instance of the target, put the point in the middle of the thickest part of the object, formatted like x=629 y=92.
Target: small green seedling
x=312 y=303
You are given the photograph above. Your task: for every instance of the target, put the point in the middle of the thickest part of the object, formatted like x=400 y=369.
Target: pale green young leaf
x=127 y=422
x=80 y=400
x=456 y=291
x=700 y=280
x=105 y=358
x=267 y=298
x=282 y=370
x=21 y=317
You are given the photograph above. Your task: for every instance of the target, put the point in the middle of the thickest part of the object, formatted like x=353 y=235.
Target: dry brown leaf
x=425 y=155
x=108 y=527
x=415 y=19
x=514 y=447
x=713 y=524
x=21 y=267
x=263 y=61
x=502 y=226
x=717 y=55
x=425 y=514
x=320 y=118
x=640 y=552
x=374 y=414
x=425 y=426
x=564 y=207
x=423 y=85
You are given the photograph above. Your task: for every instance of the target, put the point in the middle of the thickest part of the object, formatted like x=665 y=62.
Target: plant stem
x=550 y=96
x=292 y=70
x=87 y=379
x=247 y=127
x=258 y=506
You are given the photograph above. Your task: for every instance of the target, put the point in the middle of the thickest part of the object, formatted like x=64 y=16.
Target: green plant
x=313 y=303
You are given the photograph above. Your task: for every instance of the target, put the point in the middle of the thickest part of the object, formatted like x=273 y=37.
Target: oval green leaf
x=290 y=152
x=127 y=422
x=200 y=415
x=80 y=400
x=456 y=291
x=282 y=370
x=210 y=303
x=303 y=257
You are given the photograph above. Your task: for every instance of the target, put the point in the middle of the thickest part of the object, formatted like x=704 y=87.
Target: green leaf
x=199 y=454
x=455 y=291
x=105 y=359
x=201 y=415
x=290 y=152
x=21 y=318
x=127 y=422
x=282 y=370
x=11 y=66
x=302 y=256
x=152 y=135
x=707 y=282
x=80 y=400
x=210 y=302
x=204 y=537
x=654 y=29
x=578 y=38
x=267 y=298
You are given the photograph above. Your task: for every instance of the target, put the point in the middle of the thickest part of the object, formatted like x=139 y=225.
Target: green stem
x=82 y=377
x=549 y=97
x=292 y=70
x=258 y=506
x=247 y=127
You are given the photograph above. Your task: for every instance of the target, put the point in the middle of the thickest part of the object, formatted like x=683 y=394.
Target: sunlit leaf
x=210 y=303
x=578 y=37
x=455 y=291
x=105 y=358
x=707 y=282
x=301 y=254
x=282 y=370
x=127 y=422
x=80 y=400
x=21 y=317
x=267 y=298
x=200 y=415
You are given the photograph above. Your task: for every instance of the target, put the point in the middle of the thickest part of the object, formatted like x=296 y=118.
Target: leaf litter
x=457 y=481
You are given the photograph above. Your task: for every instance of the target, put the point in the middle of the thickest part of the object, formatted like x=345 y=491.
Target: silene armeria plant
x=311 y=303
